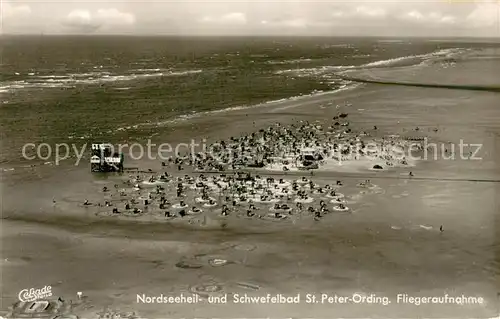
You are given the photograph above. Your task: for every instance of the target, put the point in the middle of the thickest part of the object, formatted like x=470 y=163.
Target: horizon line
x=254 y=35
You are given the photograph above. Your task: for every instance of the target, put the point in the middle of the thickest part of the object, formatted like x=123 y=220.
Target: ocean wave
x=325 y=74
x=258 y=55
x=389 y=62
x=289 y=61
x=185 y=117
x=325 y=71
x=146 y=70
x=340 y=45
x=342 y=88
x=302 y=72
x=49 y=76
x=70 y=80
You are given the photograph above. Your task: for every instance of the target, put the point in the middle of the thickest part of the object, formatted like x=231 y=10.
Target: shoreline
x=186 y=118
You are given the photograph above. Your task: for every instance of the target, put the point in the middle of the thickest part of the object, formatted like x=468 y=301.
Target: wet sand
x=391 y=243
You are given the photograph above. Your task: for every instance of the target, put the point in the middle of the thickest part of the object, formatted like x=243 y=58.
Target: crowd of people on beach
x=241 y=194
x=300 y=146
x=228 y=178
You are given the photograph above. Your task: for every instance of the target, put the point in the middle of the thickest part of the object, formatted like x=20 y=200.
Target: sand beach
x=411 y=227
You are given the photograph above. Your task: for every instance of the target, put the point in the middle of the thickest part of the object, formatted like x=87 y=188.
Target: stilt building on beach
x=104 y=160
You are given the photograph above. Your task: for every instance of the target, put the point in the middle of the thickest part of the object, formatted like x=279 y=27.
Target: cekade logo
x=33 y=294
